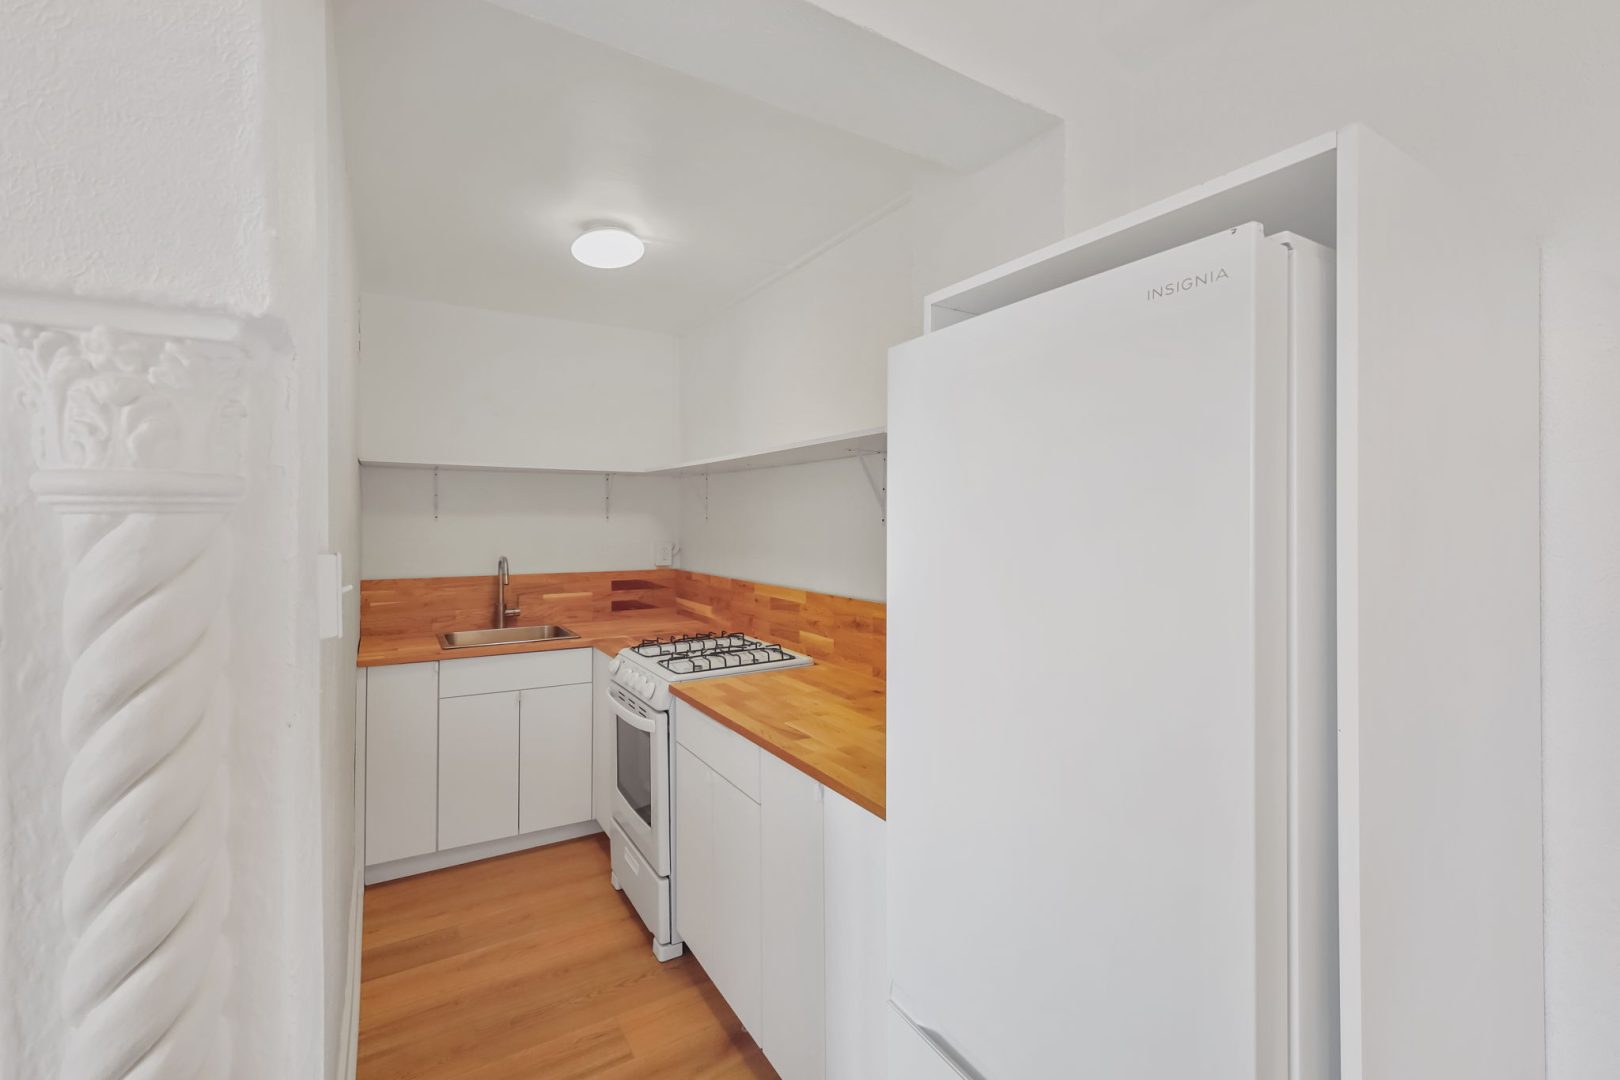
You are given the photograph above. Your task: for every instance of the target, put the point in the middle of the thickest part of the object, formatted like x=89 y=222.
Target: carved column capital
x=130 y=421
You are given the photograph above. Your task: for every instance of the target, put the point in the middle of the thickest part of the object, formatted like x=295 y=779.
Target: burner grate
x=693 y=644
x=750 y=654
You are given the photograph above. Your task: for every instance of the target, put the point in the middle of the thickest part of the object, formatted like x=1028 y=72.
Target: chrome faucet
x=503 y=578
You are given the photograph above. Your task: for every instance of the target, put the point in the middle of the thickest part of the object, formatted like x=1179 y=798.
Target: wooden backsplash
x=421 y=605
x=832 y=629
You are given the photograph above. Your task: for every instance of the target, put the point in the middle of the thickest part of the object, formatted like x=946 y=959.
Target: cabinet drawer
x=720 y=748
x=523 y=671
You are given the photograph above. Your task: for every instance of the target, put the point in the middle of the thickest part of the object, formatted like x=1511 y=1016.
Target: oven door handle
x=640 y=723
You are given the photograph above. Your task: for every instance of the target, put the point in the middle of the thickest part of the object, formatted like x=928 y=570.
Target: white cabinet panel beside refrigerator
x=1113 y=458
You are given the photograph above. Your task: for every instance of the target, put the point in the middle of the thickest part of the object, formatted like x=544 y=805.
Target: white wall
x=178 y=155
x=127 y=155
x=448 y=385
x=334 y=397
x=543 y=522
x=804 y=356
x=961 y=224
x=1515 y=97
x=807 y=356
x=816 y=526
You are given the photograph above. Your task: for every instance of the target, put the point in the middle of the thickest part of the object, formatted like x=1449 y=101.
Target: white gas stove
x=639 y=696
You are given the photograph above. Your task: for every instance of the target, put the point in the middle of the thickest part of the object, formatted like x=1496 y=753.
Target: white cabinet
x=478 y=768
x=402 y=761
x=717 y=882
x=603 y=772
x=737 y=901
x=781 y=899
x=793 y=943
x=856 y=932
x=473 y=751
x=693 y=840
x=554 y=757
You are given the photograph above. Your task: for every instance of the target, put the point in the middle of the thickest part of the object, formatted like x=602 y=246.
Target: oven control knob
x=614 y=665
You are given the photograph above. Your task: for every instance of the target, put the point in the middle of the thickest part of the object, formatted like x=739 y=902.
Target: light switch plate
x=329 y=590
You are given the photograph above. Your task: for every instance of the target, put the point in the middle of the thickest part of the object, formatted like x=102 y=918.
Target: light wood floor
x=530 y=965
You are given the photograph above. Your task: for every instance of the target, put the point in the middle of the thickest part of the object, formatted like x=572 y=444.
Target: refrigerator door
x=1087 y=694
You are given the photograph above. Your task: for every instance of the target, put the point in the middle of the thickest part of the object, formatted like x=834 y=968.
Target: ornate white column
x=139 y=445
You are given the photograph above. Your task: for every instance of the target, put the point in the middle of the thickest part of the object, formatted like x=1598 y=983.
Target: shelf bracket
x=607 y=496
x=876 y=468
x=705 y=497
x=435 y=493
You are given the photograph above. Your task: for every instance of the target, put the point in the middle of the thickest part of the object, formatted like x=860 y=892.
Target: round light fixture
x=608 y=249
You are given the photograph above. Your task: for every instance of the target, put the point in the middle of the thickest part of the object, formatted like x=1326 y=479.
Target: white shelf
x=847 y=444
x=1294 y=191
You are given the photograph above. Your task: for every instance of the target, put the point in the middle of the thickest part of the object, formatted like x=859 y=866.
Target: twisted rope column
x=139 y=444
x=144 y=801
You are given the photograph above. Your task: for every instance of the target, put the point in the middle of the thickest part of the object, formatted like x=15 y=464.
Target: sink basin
x=506 y=635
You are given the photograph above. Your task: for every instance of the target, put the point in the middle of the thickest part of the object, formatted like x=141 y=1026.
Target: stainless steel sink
x=505 y=635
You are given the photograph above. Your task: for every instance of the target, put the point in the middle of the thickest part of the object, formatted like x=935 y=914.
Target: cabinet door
x=478 y=769
x=554 y=757
x=792 y=993
x=402 y=747
x=602 y=742
x=857 y=936
x=736 y=906
x=693 y=872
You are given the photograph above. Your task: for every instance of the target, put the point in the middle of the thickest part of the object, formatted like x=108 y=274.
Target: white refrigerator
x=1111 y=736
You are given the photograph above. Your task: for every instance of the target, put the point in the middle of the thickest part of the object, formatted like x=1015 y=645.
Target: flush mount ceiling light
x=608 y=249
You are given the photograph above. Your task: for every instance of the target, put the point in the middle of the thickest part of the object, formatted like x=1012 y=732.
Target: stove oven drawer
x=648 y=893
x=718 y=747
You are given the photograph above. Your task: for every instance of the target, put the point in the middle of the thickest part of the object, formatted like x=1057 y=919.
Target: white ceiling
x=802 y=58
x=481 y=141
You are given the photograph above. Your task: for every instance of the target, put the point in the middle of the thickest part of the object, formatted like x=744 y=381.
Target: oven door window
x=635 y=770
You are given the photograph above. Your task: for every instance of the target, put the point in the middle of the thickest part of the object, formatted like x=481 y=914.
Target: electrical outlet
x=663 y=554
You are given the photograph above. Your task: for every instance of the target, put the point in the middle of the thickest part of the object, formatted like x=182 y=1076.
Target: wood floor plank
x=530 y=965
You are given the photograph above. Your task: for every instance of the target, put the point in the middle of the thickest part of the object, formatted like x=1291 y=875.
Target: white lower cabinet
x=737 y=900
x=782 y=901
x=855 y=903
x=693 y=843
x=554 y=757
x=465 y=752
x=717 y=882
x=402 y=761
x=478 y=768
x=793 y=946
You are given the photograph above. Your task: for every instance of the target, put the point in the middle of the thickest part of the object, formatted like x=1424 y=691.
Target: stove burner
x=746 y=655
x=694 y=644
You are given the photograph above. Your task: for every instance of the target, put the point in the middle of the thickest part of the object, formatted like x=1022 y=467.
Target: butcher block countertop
x=826 y=720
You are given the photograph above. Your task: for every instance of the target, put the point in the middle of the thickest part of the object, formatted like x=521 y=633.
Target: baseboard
x=439 y=860
x=349 y=1062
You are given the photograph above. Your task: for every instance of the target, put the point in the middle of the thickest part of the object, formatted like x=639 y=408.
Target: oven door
x=641 y=787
